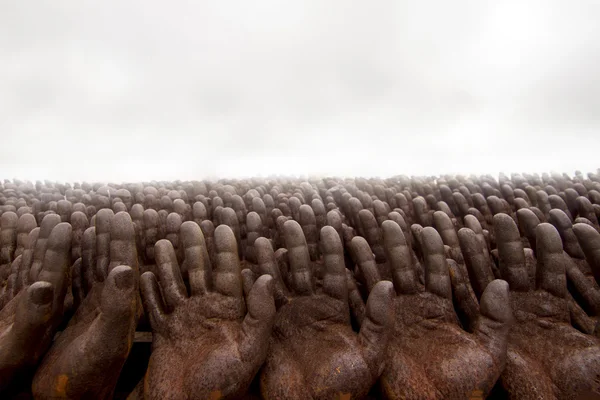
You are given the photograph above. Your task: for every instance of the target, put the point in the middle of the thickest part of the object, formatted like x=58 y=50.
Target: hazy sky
x=131 y=90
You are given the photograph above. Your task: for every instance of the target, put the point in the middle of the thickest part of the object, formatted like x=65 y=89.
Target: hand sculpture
x=430 y=354
x=29 y=320
x=205 y=345
x=547 y=357
x=314 y=352
x=86 y=358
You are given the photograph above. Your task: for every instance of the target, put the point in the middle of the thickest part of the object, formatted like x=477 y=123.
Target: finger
x=372 y=233
x=550 y=275
x=77 y=284
x=416 y=230
x=227 y=274
x=196 y=267
x=152 y=301
x=267 y=265
x=282 y=260
x=464 y=298
x=299 y=259
x=586 y=292
x=169 y=276
x=579 y=319
x=556 y=202
x=527 y=224
x=229 y=218
x=47 y=225
x=586 y=210
x=334 y=281
x=88 y=259
x=57 y=263
x=476 y=261
x=589 y=240
x=357 y=305
x=445 y=228
x=24 y=273
x=495 y=319
x=123 y=250
x=364 y=259
x=8 y=237
x=399 y=257
x=10 y=288
x=423 y=217
x=25 y=225
x=247 y=280
x=103 y=222
x=308 y=223
x=510 y=253
x=437 y=277
x=150 y=234
x=118 y=299
x=376 y=327
x=258 y=323
x=564 y=226
x=34 y=311
x=482 y=235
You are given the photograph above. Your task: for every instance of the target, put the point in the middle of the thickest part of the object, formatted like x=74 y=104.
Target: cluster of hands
x=448 y=287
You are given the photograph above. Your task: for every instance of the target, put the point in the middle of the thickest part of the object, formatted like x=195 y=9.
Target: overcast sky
x=132 y=90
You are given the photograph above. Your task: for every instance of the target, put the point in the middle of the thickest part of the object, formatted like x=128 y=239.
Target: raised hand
x=212 y=342
x=314 y=353
x=29 y=319
x=86 y=359
x=430 y=355
x=547 y=357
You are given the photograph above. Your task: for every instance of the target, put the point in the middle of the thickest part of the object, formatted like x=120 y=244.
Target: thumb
x=34 y=312
x=495 y=319
x=258 y=322
x=377 y=326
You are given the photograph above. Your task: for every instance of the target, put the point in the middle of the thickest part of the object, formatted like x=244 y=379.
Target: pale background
x=139 y=90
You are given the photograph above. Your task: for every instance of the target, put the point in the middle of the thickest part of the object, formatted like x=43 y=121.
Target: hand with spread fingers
x=547 y=357
x=211 y=342
x=314 y=353
x=589 y=295
x=34 y=303
x=86 y=358
x=430 y=355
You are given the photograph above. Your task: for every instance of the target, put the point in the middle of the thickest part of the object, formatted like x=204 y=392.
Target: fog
x=140 y=90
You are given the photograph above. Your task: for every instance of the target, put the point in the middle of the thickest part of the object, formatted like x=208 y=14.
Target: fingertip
x=146 y=278
x=384 y=290
x=163 y=251
x=506 y=229
x=122 y=278
x=548 y=239
x=392 y=234
x=41 y=293
x=189 y=232
x=264 y=285
x=225 y=239
x=121 y=227
x=584 y=231
x=330 y=241
x=495 y=301
x=432 y=241
x=247 y=280
x=48 y=224
x=379 y=303
x=293 y=232
x=60 y=237
x=361 y=249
